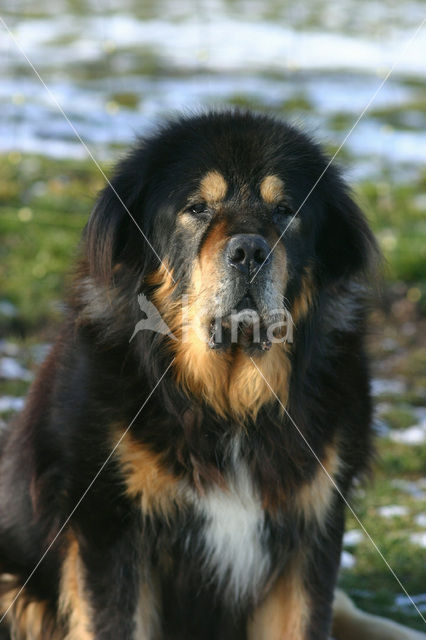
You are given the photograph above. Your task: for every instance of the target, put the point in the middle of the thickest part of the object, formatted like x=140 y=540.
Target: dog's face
x=246 y=218
x=235 y=264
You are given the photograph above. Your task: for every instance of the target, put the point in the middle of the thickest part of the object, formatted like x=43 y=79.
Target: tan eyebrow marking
x=272 y=189
x=213 y=187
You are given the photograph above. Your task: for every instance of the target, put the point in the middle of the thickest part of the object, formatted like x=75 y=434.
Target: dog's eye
x=198 y=208
x=283 y=211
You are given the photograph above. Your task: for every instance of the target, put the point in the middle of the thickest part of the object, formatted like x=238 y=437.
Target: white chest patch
x=233 y=549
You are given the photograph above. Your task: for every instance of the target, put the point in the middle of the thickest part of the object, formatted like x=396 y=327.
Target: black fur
x=95 y=378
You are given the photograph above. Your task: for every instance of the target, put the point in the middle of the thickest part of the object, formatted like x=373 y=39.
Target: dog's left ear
x=115 y=222
x=346 y=246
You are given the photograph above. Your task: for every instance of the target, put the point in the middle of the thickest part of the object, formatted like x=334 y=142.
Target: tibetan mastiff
x=181 y=472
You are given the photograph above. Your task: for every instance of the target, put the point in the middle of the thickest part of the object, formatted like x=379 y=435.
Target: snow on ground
x=381 y=386
x=11 y=369
x=419 y=539
x=412 y=435
x=347 y=560
x=420 y=520
x=353 y=537
x=11 y=403
x=392 y=511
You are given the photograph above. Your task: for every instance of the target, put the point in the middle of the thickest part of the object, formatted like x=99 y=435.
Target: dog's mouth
x=243 y=326
x=246 y=303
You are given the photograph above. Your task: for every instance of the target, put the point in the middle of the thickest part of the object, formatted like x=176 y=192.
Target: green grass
x=399 y=416
x=397 y=216
x=44 y=206
x=370 y=582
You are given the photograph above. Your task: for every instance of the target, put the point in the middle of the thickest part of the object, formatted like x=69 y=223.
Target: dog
x=181 y=468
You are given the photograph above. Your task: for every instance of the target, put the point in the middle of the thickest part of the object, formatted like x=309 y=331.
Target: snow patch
x=419 y=600
x=12 y=370
x=412 y=435
x=11 y=403
x=415 y=489
x=347 y=560
x=420 y=520
x=419 y=539
x=381 y=386
x=392 y=511
x=353 y=537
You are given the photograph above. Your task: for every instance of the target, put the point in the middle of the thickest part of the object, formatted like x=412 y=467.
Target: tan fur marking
x=230 y=384
x=248 y=391
x=197 y=369
x=304 y=300
x=73 y=603
x=170 y=310
x=147 y=478
x=313 y=499
x=163 y=279
x=27 y=619
x=147 y=616
x=213 y=187
x=212 y=246
x=272 y=189
x=30 y=620
x=198 y=372
x=284 y=613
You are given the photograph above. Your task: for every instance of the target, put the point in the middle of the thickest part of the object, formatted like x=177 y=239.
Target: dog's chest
x=232 y=536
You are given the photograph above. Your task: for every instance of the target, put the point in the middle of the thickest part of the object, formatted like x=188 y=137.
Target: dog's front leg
x=299 y=604
x=104 y=594
x=284 y=613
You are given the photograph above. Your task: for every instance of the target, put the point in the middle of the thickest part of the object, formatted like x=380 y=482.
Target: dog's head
x=227 y=221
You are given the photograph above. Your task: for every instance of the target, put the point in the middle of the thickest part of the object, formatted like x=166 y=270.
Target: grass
x=44 y=205
x=398 y=472
x=399 y=416
x=396 y=214
x=370 y=581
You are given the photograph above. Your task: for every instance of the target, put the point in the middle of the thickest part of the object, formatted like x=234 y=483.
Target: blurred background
x=116 y=67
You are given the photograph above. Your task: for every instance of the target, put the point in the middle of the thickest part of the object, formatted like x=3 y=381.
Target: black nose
x=247 y=252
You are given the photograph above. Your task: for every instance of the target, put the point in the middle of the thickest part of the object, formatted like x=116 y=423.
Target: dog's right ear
x=113 y=223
